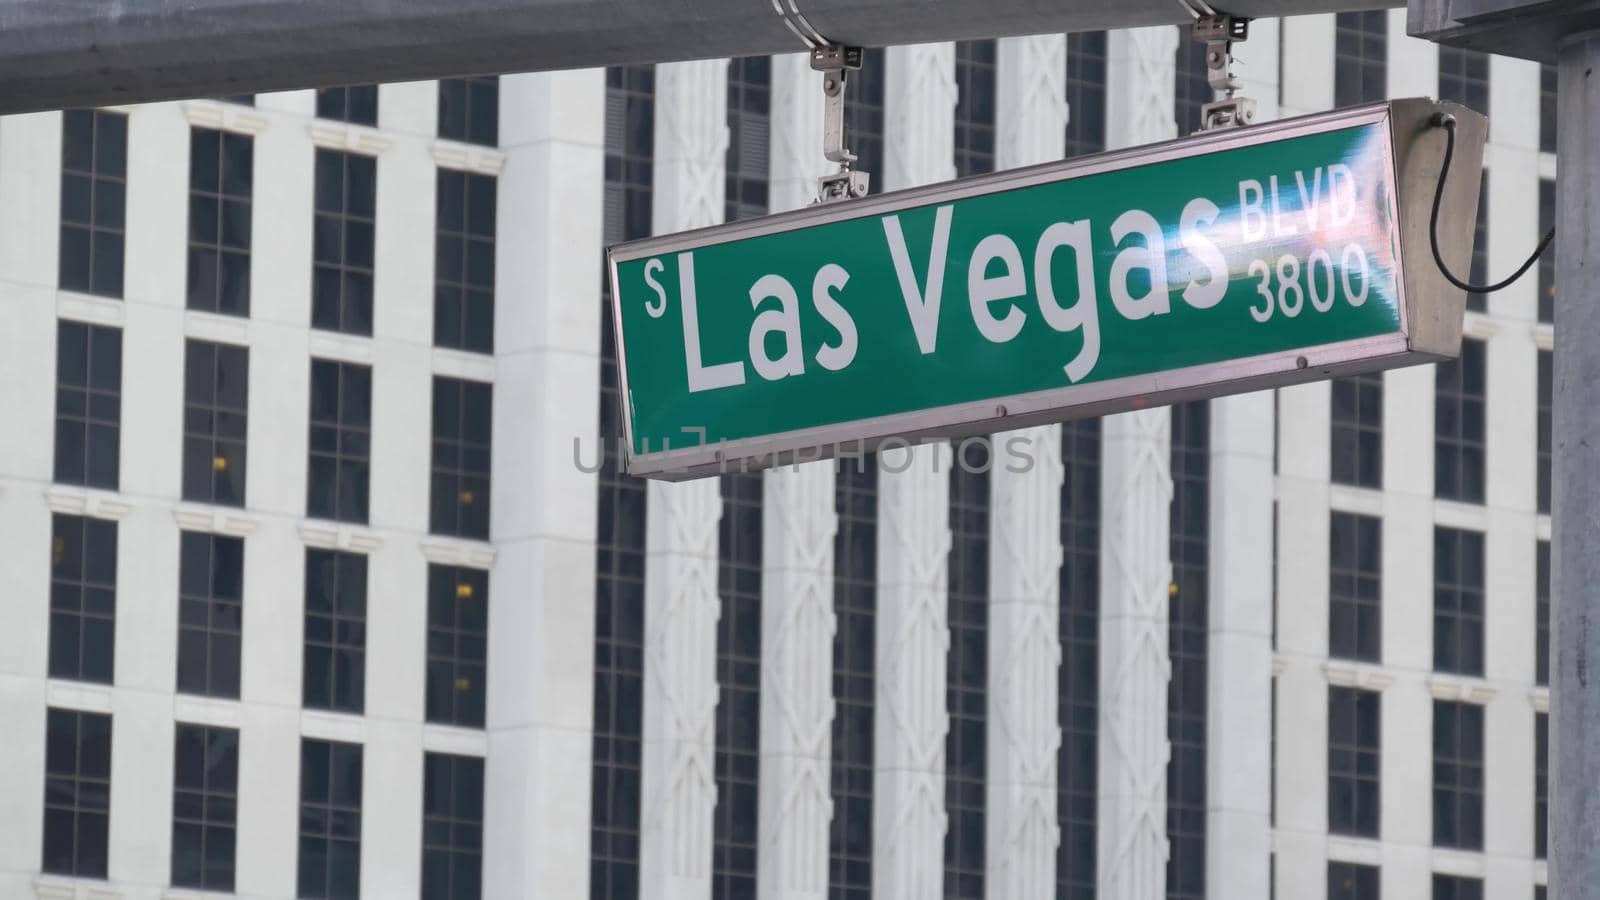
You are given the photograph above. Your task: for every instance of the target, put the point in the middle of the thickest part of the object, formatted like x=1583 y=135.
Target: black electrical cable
x=1448 y=123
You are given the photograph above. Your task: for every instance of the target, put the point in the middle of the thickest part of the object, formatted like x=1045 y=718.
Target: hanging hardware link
x=836 y=62
x=1219 y=31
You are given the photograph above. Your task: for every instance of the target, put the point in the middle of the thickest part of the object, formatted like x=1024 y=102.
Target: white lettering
x=1252 y=219
x=1152 y=257
x=982 y=290
x=1310 y=203
x=650 y=269
x=785 y=320
x=1198 y=212
x=832 y=277
x=1085 y=313
x=1341 y=203
x=701 y=377
x=1280 y=228
x=922 y=304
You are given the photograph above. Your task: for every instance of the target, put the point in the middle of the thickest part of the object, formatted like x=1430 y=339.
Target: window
x=1355 y=587
x=330 y=821
x=1349 y=881
x=463 y=280
x=1541 y=784
x=1078 y=678
x=1451 y=887
x=1547 y=259
x=975 y=102
x=210 y=614
x=356 y=104
x=469 y=110
x=1186 y=635
x=346 y=223
x=341 y=441
x=855 y=606
x=620 y=517
x=461 y=436
x=1354 y=762
x=77 y=793
x=1361 y=51
x=88 y=405
x=1477 y=302
x=738 y=716
x=1464 y=77
x=216 y=395
x=1458 y=601
x=1357 y=433
x=1192 y=92
x=458 y=645
x=1546 y=364
x=94 y=171
x=1541 y=614
x=452 y=827
x=336 y=631
x=864 y=115
x=221 y=176
x=205 y=802
x=83 y=598
x=967 y=672
x=1086 y=92
x=1457 y=775
x=749 y=101
x=1458 y=425
x=1547 y=108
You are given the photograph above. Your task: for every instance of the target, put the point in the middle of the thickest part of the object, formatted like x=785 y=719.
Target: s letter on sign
x=1218 y=264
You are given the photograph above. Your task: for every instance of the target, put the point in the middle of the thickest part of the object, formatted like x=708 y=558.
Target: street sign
x=1218 y=264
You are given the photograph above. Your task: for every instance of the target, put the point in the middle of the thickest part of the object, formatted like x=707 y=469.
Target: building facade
x=327 y=583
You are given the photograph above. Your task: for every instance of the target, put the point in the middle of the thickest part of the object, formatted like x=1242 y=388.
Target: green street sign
x=1227 y=262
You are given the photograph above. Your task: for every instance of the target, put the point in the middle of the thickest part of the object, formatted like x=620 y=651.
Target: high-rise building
x=325 y=580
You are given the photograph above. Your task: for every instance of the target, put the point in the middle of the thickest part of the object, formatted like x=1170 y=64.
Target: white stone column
x=908 y=819
x=1024 y=730
x=541 y=588
x=797 y=527
x=680 y=591
x=1136 y=498
x=1239 y=656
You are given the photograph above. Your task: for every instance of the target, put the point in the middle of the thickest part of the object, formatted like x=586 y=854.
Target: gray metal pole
x=1575 y=626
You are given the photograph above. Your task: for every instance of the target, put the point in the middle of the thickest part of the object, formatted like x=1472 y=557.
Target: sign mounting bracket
x=1219 y=31
x=836 y=62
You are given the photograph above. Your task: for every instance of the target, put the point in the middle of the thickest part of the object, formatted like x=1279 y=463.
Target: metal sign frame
x=1431 y=310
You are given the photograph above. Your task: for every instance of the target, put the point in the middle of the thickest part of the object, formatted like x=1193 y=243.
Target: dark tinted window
x=1078 y=679
x=452 y=827
x=216 y=395
x=1457 y=775
x=461 y=437
x=1450 y=887
x=738 y=730
x=1546 y=377
x=1541 y=784
x=1354 y=761
x=205 y=807
x=1458 y=637
x=1464 y=77
x=1541 y=614
x=210 y=614
x=1086 y=92
x=1350 y=881
x=1355 y=587
x=469 y=110
x=1192 y=91
x=1547 y=108
x=88 y=405
x=341 y=441
x=221 y=183
x=967 y=670
x=77 y=793
x=330 y=821
x=1357 y=431
x=94 y=171
x=335 y=631
x=343 y=242
x=356 y=104
x=1459 y=416
x=864 y=116
x=1361 y=51
x=458 y=645
x=1188 y=626
x=463 y=279
x=749 y=130
x=83 y=598
x=1478 y=302
x=855 y=605
x=1547 y=259
x=975 y=107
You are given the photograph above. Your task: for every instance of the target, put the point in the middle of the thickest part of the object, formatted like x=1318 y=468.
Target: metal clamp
x=836 y=62
x=1219 y=31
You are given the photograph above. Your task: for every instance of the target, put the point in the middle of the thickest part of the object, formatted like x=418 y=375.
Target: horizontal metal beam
x=63 y=53
x=1530 y=29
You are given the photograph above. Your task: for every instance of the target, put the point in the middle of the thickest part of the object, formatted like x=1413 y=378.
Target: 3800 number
x=1285 y=292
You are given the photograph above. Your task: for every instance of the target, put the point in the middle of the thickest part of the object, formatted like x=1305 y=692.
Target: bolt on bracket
x=836 y=62
x=1219 y=31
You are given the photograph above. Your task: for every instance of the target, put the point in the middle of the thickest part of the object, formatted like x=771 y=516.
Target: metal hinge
x=836 y=62
x=1219 y=31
